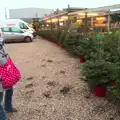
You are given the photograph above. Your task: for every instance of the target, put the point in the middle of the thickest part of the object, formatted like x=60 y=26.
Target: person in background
x=116 y=24
x=8 y=92
x=33 y=24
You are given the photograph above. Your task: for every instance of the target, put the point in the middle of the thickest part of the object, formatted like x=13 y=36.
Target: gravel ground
x=51 y=88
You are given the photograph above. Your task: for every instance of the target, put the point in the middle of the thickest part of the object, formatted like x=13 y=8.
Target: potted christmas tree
x=98 y=74
x=86 y=48
x=114 y=86
x=70 y=42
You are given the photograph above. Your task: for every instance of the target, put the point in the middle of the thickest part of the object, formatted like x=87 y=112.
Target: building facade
x=27 y=14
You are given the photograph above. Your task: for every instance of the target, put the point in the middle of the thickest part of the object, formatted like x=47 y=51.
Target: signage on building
x=100 y=20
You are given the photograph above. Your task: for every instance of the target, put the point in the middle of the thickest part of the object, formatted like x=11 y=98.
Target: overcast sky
x=53 y=4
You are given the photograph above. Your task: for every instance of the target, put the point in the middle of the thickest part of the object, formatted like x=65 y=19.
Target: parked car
x=17 y=23
x=14 y=34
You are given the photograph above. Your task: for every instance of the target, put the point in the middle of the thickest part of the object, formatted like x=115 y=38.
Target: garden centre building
x=105 y=17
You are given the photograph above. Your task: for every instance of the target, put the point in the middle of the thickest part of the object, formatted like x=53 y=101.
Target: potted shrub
x=70 y=43
x=56 y=37
x=98 y=73
x=85 y=49
x=111 y=45
x=62 y=38
x=114 y=87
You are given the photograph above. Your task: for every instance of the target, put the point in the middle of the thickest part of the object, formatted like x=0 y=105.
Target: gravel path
x=51 y=88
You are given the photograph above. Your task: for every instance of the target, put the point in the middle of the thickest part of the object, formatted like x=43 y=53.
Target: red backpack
x=9 y=73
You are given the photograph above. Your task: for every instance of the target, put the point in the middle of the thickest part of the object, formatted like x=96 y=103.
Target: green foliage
x=56 y=36
x=99 y=71
x=51 y=35
x=71 y=41
x=115 y=89
x=62 y=38
x=103 y=66
x=102 y=55
x=87 y=48
x=111 y=46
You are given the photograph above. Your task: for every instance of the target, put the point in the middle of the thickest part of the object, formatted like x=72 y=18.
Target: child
x=4 y=58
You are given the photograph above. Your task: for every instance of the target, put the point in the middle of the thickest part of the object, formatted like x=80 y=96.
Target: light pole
x=57 y=11
x=45 y=21
x=5 y=13
x=36 y=15
x=108 y=20
x=68 y=10
x=86 y=21
x=51 y=21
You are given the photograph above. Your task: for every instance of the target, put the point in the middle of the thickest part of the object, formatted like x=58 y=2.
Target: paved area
x=51 y=88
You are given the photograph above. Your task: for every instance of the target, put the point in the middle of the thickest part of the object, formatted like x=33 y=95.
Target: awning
x=115 y=17
x=97 y=10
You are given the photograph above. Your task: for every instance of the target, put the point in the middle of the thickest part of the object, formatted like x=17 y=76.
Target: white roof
x=99 y=9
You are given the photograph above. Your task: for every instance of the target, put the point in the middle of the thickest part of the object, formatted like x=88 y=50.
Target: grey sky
x=53 y=4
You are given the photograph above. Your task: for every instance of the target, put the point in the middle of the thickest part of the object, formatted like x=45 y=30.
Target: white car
x=14 y=34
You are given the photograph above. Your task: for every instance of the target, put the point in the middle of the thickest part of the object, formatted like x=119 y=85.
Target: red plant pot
x=82 y=60
x=58 y=44
x=113 y=83
x=100 y=91
x=55 y=42
x=52 y=41
x=43 y=37
x=62 y=46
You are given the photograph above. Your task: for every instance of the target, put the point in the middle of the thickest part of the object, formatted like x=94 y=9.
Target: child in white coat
x=8 y=92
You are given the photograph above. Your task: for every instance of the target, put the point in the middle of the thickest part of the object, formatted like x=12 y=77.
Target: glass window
x=23 y=26
x=5 y=29
x=15 y=30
